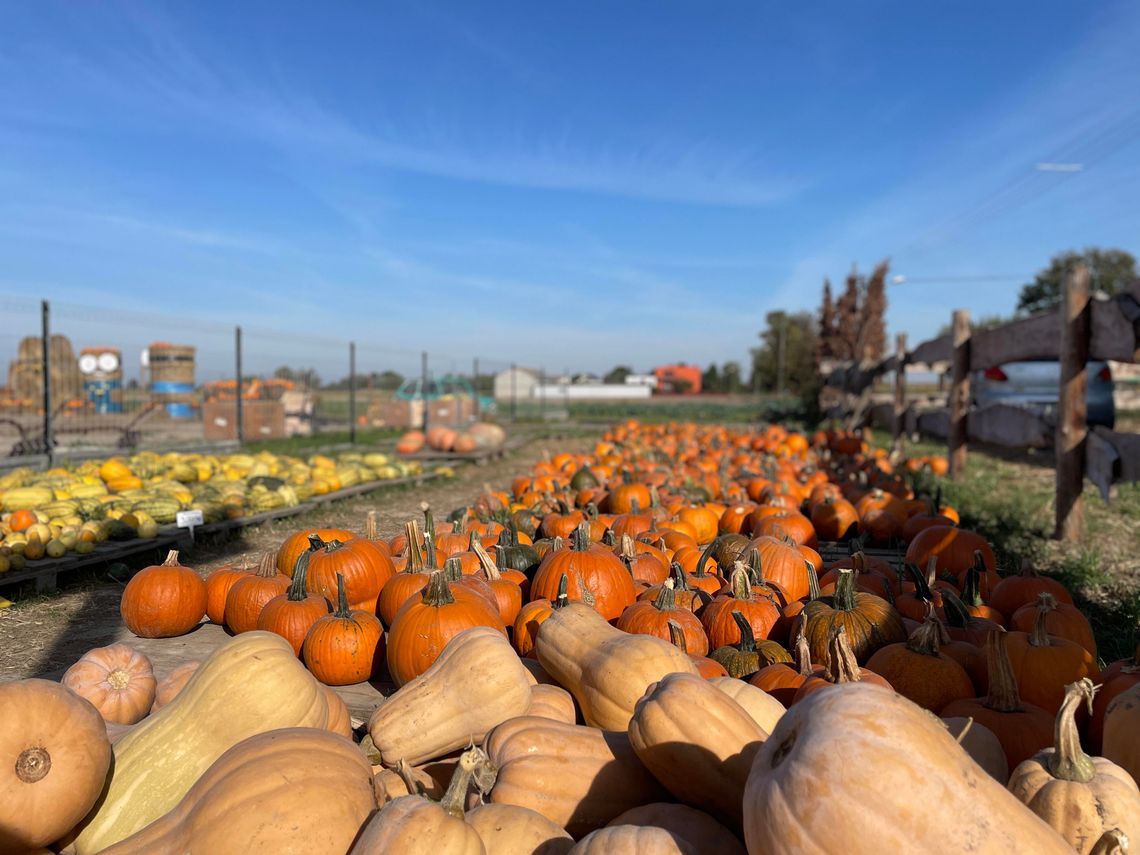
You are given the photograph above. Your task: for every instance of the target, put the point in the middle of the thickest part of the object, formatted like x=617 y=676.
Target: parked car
x=1035 y=384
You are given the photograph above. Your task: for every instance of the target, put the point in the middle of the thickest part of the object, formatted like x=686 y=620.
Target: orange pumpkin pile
x=651 y=655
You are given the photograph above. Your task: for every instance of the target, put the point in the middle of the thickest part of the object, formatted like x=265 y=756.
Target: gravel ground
x=42 y=635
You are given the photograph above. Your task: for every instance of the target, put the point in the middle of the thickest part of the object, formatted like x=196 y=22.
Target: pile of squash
x=636 y=649
x=62 y=510
x=475 y=437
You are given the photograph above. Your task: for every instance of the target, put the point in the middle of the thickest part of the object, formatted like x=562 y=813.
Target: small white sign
x=189 y=519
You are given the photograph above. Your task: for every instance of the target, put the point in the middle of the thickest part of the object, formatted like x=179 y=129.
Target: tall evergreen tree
x=825 y=341
x=873 y=324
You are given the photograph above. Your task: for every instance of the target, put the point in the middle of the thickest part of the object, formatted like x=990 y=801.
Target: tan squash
x=1081 y=797
x=55 y=756
x=688 y=823
x=514 y=830
x=578 y=777
x=1121 y=724
x=476 y=683
x=902 y=785
x=633 y=840
x=698 y=742
x=173 y=683
x=404 y=780
x=313 y=792
x=552 y=702
x=981 y=744
x=765 y=710
x=414 y=825
x=254 y=683
x=338 y=721
x=117 y=679
x=696 y=827
x=606 y=669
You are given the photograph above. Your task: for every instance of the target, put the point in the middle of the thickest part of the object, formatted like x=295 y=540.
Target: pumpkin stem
x=580 y=540
x=843 y=600
x=681 y=582
x=609 y=538
x=926 y=638
x=431 y=558
x=171 y=559
x=471 y=763
x=404 y=770
x=747 y=636
x=452 y=569
x=1003 y=695
x=741 y=587
x=562 y=599
x=921 y=582
x=438 y=592
x=627 y=551
x=972 y=589
x=266 y=565
x=371 y=530
x=415 y=556
x=300 y=576
x=489 y=569
x=666 y=598
x=842 y=667
x=706 y=553
x=1046 y=603
x=1069 y=762
x=813 y=581
x=677 y=635
x=1112 y=842
x=315 y=542
x=429 y=518
x=803 y=653
x=342 y=609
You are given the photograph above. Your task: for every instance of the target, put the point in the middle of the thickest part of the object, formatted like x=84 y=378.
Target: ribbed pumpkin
x=173 y=683
x=839 y=668
x=346 y=646
x=423 y=626
x=833 y=517
x=596 y=576
x=918 y=671
x=651 y=617
x=298 y=542
x=783 y=565
x=530 y=618
x=1062 y=620
x=292 y=614
x=643 y=566
x=248 y=595
x=364 y=566
x=1023 y=729
x=218 y=585
x=408 y=582
x=1116 y=679
x=759 y=610
x=1081 y=797
x=871 y=622
x=1013 y=592
x=954 y=548
x=56 y=758
x=747 y=656
x=1044 y=664
x=118 y=680
x=782 y=680
x=164 y=600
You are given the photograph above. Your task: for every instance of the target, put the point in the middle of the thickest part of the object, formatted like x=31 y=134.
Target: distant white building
x=648 y=380
x=517 y=383
x=555 y=393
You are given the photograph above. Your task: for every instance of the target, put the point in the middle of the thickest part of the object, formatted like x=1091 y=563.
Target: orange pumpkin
x=596 y=576
x=164 y=601
x=292 y=614
x=117 y=679
x=248 y=595
x=346 y=646
x=364 y=566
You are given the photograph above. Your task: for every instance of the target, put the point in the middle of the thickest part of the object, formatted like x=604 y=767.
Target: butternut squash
x=252 y=684
x=698 y=742
x=552 y=702
x=606 y=669
x=879 y=774
x=578 y=777
x=313 y=792
x=476 y=683
x=765 y=710
x=514 y=830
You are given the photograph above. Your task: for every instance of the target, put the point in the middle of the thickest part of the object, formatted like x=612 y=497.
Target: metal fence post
x=423 y=386
x=475 y=386
x=1072 y=404
x=959 y=392
x=352 y=391
x=542 y=393
x=48 y=436
x=239 y=416
x=900 y=385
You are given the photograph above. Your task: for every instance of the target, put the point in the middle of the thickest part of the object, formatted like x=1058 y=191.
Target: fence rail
x=1081 y=329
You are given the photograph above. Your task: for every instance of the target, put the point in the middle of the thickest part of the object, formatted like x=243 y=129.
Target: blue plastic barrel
x=175 y=409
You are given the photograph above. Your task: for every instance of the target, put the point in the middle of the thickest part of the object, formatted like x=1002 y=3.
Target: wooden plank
x=939 y=349
x=105 y=553
x=1072 y=404
x=1010 y=426
x=1124 y=456
x=1116 y=327
x=959 y=393
x=1028 y=338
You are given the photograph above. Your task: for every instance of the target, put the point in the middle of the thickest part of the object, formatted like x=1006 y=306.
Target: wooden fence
x=1080 y=329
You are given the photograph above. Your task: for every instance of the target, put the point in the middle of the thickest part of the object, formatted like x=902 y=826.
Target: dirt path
x=42 y=636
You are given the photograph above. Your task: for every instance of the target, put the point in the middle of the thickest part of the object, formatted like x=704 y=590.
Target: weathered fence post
x=900 y=385
x=959 y=392
x=239 y=416
x=1072 y=404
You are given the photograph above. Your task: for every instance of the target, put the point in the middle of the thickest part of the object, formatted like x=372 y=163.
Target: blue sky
x=568 y=184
